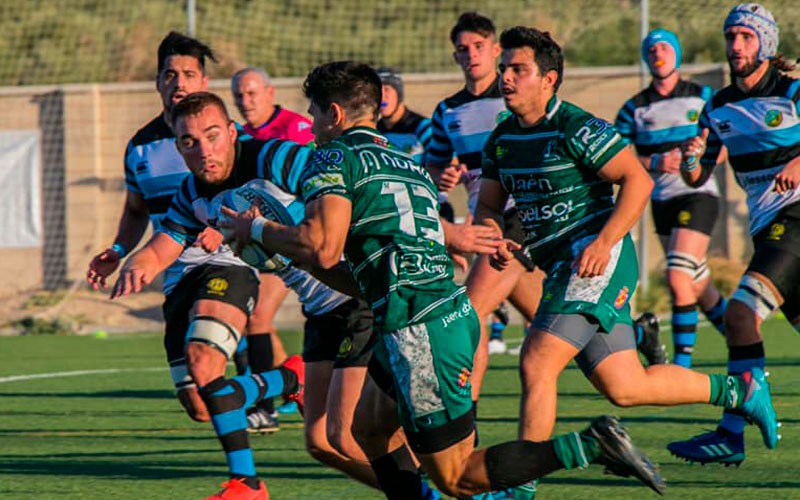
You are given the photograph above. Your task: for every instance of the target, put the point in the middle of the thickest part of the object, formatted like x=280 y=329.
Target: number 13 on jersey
x=417 y=210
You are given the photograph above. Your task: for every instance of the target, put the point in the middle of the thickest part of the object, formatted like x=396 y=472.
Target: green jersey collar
x=552 y=107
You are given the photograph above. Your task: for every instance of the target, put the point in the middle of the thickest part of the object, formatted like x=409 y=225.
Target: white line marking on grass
x=77 y=373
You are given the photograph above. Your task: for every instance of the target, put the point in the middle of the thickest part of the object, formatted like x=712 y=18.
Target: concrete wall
x=98 y=120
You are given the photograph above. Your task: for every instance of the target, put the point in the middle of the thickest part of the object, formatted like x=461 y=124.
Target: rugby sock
x=240 y=358
x=684 y=333
x=517 y=462
x=496 y=332
x=716 y=315
x=576 y=449
x=727 y=391
x=740 y=360
x=398 y=476
x=262 y=358
x=227 y=400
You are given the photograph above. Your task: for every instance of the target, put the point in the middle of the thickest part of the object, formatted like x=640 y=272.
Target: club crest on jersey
x=345 y=347
x=464 y=381
x=622 y=298
x=776 y=231
x=217 y=286
x=500 y=151
x=684 y=216
x=773 y=118
x=693 y=115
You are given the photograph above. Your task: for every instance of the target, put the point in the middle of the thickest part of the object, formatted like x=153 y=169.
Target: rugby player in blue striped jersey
x=756 y=118
x=656 y=121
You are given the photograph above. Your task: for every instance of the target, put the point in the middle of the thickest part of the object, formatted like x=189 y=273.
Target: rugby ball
x=273 y=203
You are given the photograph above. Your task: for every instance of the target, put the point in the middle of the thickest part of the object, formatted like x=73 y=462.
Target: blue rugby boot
x=757 y=406
x=720 y=446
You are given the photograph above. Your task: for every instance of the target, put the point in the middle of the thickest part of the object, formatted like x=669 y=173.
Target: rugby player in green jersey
x=560 y=163
x=374 y=205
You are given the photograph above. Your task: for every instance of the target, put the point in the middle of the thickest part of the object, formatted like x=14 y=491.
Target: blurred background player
x=409 y=131
x=254 y=96
x=461 y=124
x=656 y=121
x=756 y=119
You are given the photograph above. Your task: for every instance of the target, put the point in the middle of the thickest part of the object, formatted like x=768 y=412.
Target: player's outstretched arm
x=471 y=238
x=144 y=265
x=635 y=187
x=132 y=225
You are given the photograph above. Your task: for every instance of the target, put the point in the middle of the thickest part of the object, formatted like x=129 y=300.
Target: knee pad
x=702 y=271
x=683 y=262
x=180 y=375
x=756 y=295
x=215 y=333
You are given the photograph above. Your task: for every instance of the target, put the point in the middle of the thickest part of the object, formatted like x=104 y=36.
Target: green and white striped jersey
x=395 y=246
x=551 y=171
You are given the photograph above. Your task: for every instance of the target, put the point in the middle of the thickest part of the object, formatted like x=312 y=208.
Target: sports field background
x=115 y=431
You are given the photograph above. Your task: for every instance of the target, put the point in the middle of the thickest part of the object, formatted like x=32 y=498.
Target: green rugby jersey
x=395 y=246
x=551 y=172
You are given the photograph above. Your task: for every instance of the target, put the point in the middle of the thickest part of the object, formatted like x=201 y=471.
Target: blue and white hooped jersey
x=155 y=170
x=761 y=130
x=656 y=124
x=411 y=135
x=275 y=166
x=461 y=125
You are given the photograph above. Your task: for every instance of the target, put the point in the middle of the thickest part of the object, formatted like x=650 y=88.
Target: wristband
x=654 y=159
x=690 y=164
x=257 y=229
x=121 y=251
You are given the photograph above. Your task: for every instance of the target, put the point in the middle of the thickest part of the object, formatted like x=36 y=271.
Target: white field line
x=78 y=373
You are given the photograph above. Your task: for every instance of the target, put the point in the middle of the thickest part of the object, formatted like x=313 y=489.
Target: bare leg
x=317 y=399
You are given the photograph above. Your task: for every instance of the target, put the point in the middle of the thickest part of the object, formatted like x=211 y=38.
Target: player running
x=560 y=163
x=461 y=124
x=756 y=119
x=656 y=121
x=373 y=204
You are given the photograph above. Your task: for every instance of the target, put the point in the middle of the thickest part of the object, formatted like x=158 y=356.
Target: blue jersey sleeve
x=714 y=142
x=626 y=123
x=131 y=183
x=181 y=223
x=282 y=162
x=440 y=149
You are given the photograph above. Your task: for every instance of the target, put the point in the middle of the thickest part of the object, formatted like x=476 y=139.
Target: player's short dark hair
x=354 y=86
x=546 y=52
x=195 y=103
x=474 y=23
x=176 y=44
